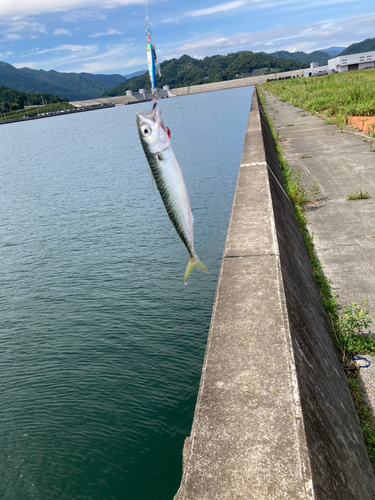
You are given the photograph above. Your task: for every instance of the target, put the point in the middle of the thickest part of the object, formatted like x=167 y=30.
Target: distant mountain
x=367 y=45
x=136 y=73
x=333 y=51
x=189 y=71
x=104 y=79
x=316 y=56
x=74 y=86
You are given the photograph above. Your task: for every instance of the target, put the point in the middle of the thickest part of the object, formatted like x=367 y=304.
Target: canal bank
x=145 y=95
x=274 y=416
x=344 y=236
x=233 y=84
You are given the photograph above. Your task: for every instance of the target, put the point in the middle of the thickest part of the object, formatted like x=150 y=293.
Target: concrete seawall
x=274 y=417
x=194 y=89
x=232 y=84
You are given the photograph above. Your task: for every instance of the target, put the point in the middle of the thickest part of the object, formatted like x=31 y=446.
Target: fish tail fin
x=194 y=262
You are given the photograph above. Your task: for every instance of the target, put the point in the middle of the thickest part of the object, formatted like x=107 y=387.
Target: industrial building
x=342 y=64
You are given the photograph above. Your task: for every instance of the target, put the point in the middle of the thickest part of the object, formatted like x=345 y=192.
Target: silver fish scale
x=167 y=197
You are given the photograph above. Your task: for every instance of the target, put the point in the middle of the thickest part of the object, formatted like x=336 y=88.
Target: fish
x=167 y=174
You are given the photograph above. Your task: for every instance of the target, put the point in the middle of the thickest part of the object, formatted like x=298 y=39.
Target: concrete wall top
x=231 y=84
x=120 y=99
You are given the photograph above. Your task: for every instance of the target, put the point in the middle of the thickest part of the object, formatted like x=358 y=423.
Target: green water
x=101 y=343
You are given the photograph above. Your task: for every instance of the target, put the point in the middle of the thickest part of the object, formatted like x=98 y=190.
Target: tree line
x=187 y=70
x=13 y=100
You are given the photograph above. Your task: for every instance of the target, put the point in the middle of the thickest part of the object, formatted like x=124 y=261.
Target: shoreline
x=54 y=113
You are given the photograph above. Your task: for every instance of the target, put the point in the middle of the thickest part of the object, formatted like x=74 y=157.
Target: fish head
x=152 y=130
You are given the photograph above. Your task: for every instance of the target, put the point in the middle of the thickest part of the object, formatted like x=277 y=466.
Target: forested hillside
x=367 y=45
x=189 y=71
x=316 y=56
x=74 y=86
x=12 y=100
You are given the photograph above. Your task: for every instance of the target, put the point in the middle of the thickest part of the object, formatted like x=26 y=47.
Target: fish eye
x=146 y=130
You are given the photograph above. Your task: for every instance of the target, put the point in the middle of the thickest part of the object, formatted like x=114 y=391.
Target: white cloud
x=80 y=15
x=32 y=7
x=279 y=6
x=106 y=33
x=111 y=65
x=69 y=48
x=28 y=28
x=12 y=36
x=86 y=59
x=218 y=8
x=170 y=20
x=307 y=38
x=62 y=31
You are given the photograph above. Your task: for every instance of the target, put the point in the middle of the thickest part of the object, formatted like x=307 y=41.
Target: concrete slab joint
x=274 y=418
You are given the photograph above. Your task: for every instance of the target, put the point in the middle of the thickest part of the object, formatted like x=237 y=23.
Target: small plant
x=352 y=335
x=359 y=195
x=341 y=122
x=371 y=129
x=356 y=319
x=299 y=195
x=363 y=121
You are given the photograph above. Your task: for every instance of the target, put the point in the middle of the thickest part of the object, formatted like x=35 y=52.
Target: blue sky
x=108 y=36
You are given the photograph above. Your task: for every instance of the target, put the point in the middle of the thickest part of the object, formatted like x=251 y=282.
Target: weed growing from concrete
x=350 y=332
x=359 y=195
x=364 y=412
x=348 y=328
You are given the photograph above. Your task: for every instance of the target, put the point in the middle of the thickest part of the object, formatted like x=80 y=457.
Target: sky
x=108 y=36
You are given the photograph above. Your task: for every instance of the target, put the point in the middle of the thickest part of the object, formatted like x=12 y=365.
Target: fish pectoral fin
x=194 y=262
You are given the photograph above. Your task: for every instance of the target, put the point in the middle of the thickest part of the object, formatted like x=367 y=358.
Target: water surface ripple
x=101 y=343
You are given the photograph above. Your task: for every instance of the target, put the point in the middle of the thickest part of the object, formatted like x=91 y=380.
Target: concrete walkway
x=344 y=231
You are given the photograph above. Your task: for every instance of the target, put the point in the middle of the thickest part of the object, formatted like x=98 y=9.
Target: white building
x=315 y=70
x=341 y=64
x=351 y=62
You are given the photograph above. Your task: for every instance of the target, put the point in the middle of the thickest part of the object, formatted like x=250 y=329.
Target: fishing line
x=153 y=66
x=147 y=23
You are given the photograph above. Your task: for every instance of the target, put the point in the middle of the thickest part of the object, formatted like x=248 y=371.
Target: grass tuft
x=359 y=195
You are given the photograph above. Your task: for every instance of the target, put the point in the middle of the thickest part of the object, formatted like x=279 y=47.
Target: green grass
x=340 y=95
x=17 y=115
x=349 y=325
x=359 y=195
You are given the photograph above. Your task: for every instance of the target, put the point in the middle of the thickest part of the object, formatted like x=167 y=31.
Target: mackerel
x=167 y=174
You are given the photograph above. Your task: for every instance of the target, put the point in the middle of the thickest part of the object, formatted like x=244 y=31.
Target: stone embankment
x=274 y=417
